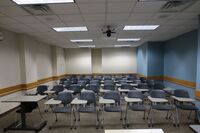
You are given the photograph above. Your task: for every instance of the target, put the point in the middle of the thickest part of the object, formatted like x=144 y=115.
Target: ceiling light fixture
x=86 y=46
x=128 y=39
x=28 y=2
x=141 y=27
x=70 y=29
x=122 y=45
x=82 y=40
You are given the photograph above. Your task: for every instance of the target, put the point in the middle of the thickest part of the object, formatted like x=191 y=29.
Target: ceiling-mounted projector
x=109 y=30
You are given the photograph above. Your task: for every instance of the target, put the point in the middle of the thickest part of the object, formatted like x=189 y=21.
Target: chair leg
x=144 y=116
x=173 y=117
x=121 y=116
x=97 y=121
x=40 y=113
x=167 y=115
x=189 y=114
x=56 y=116
x=177 y=117
x=150 y=117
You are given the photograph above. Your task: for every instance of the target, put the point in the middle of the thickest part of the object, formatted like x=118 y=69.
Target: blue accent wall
x=198 y=60
x=155 y=58
x=142 y=59
x=180 y=57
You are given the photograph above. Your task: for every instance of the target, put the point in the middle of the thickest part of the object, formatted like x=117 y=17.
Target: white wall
x=44 y=61
x=96 y=61
x=30 y=47
x=9 y=61
x=60 y=54
x=119 y=60
x=78 y=61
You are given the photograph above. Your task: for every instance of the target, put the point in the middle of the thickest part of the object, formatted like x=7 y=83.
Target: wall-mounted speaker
x=1 y=36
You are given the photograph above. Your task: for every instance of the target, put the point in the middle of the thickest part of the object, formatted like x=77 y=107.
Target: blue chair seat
x=112 y=109
x=139 y=107
x=163 y=107
x=62 y=110
x=187 y=107
x=87 y=109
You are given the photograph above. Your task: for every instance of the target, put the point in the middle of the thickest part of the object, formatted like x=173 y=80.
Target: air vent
x=177 y=5
x=38 y=9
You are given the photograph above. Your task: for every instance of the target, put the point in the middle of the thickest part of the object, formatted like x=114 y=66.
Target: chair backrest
x=92 y=87
x=158 y=86
x=95 y=81
x=108 y=81
x=142 y=86
x=107 y=78
x=82 y=83
x=126 y=86
x=89 y=96
x=143 y=79
x=181 y=93
x=112 y=95
x=137 y=81
x=135 y=94
x=73 y=80
x=62 y=80
x=58 y=88
x=75 y=87
x=158 y=94
x=67 y=83
x=65 y=97
x=109 y=86
x=122 y=81
x=41 y=89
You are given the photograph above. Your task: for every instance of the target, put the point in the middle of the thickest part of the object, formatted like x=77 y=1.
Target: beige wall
x=96 y=61
x=60 y=61
x=78 y=61
x=44 y=61
x=106 y=60
x=9 y=61
x=119 y=60
x=25 y=60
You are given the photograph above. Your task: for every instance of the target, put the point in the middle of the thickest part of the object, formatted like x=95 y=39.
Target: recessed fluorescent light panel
x=82 y=40
x=128 y=39
x=86 y=46
x=28 y=2
x=70 y=29
x=141 y=27
x=122 y=45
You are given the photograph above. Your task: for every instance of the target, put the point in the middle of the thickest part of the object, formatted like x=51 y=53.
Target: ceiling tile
x=71 y=18
x=119 y=7
x=92 y=8
x=148 y=7
x=117 y=16
x=94 y=17
x=26 y=19
x=40 y=27
x=49 y=19
x=187 y=15
x=13 y=11
x=64 y=8
x=90 y=1
x=194 y=7
x=5 y=20
x=140 y=16
x=6 y=3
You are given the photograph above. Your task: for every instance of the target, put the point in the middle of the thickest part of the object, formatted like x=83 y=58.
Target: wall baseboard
x=185 y=83
x=20 y=87
x=12 y=89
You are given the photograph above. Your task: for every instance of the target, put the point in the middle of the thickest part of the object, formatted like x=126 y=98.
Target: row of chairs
x=116 y=106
